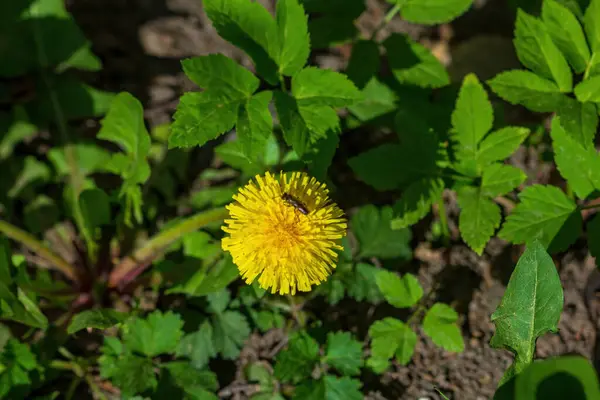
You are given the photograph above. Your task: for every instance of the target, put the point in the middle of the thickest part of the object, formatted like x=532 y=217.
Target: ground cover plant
x=276 y=236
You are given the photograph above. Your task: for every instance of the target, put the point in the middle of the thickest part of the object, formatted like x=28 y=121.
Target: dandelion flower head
x=284 y=231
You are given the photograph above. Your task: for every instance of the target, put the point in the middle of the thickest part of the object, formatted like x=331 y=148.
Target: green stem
x=386 y=20
x=157 y=244
x=443 y=220
x=589 y=66
x=33 y=244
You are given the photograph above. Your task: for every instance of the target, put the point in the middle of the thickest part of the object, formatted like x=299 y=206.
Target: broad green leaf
x=194 y=383
x=530 y=307
x=320 y=156
x=209 y=278
x=255 y=125
x=344 y=353
x=329 y=388
x=415 y=202
x=390 y=336
x=499 y=179
x=157 y=334
x=230 y=330
x=580 y=121
x=295 y=130
x=362 y=285
x=500 y=144
x=375 y=235
x=249 y=26
x=218 y=301
x=440 y=324
x=567 y=33
x=472 y=118
x=578 y=165
x=537 y=51
x=134 y=374
x=363 y=64
x=198 y=346
x=544 y=213
x=379 y=166
x=588 y=90
x=402 y=292
x=97 y=319
x=413 y=64
x=315 y=86
x=432 y=12
x=297 y=361
x=377 y=100
x=479 y=218
x=200 y=245
x=527 y=89
x=292 y=25
x=220 y=74
x=90 y=157
x=18 y=368
x=591 y=23
x=232 y=154
x=331 y=30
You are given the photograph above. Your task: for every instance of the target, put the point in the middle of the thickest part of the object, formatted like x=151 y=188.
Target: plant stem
x=443 y=220
x=589 y=206
x=588 y=67
x=388 y=17
x=134 y=264
x=33 y=244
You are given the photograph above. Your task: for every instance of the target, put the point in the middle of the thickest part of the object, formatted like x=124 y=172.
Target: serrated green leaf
x=588 y=90
x=295 y=130
x=591 y=23
x=479 y=218
x=250 y=27
x=255 y=125
x=402 y=292
x=230 y=332
x=134 y=374
x=363 y=64
x=537 y=51
x=196 y=384
x=18 y=368
x=377 y=100
x=378 y=166
x=233 y=154
x=292 y=25
x=297 y=361
x=314 y=86
x=544 y=213
x=320 y=156
x=578 y=165
x=390 y=336
x=98 y=319
x=413 y=64
x=499 y=179
x=344 y=353
x=530 y=307
x=157 y=334
x=415 y=202
x=440 y=324
x=362 y=285
x=375 y=235
x=198 y=346
x=432 y=11
x=329 y=388
x=527 y=89
x=500 y=144
x=580 y=121
x=567 y=33
x=472 y=118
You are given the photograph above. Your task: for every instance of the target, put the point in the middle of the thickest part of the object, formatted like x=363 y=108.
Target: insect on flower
x=294 y=202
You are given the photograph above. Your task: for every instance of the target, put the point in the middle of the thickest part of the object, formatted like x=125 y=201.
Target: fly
x=294 y=202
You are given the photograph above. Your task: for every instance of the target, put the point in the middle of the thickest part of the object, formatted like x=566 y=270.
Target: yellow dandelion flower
x=284 y=230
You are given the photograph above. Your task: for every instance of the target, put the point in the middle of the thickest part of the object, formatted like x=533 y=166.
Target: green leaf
x=530 y=307
x=390 y=336
x=250 y=27
x=363 y=64
x=377 y=100
x=566 y=32
x=580 y=120
x=40 y=214
x=433 y=11
x=375 y=235
x=544 y=213
x=499 y=179
x=588 y=90
x=362 y=286
x=527 y=89
x=33 y=173
x=402 y=292
x=292 y=25
x=537 y=52
x=500 y=144
x=6 y=265
x=578 y=165
x=591 y=23
x=230 y=332
x=329 y=388
x=198 y=346
x=16 y=306
x=98 y=319
x=91 y=158
x=415 y=202
x=18 y=367
x=134 y=374
x=379 y=166
x=472 y=118
x=344 y=353
x=314 y=86
x=157 y=334
x=413 y=64
x=295 y=130
x=196 y=384
x=255 y=125
x=440 y=325
x=479 y=218
x=95 y=209
x=210 y=278
x=17 y=129
x=297 y=361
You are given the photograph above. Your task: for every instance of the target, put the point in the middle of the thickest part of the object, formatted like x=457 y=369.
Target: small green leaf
x=499 y=179
x=323 y=87
x=230 y=332
x=375 y=235
x=255 y=125
x=588 y=90
x=580 y=121
x=415 y=202
x=440 y=325
x=479 y=218
x=362 y=286
x=134 y=374
x=390 y=336
x=500 y=144
x=98 y=319
x=413 y=64
x=537 y=51
x=329 y=388
x=566 y=32
x=591 y=23
x=292 y=24
x=378 y=99
x=527 y=89
x=402 y=292
x=432 y=12
x=298 y=360
x=157 y=334
x=530 y=307
x=344 y=353
x=198 y=346
x=545 y=213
